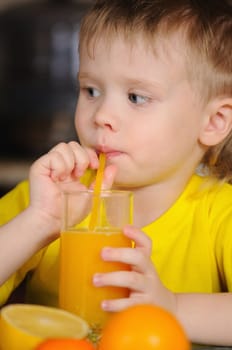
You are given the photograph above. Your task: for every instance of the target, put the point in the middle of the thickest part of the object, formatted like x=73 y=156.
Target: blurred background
x=38 y=84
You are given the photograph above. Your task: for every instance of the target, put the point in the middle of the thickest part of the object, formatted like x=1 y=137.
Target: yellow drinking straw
x=96 y=192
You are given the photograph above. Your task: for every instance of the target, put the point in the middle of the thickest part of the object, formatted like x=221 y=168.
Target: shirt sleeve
x=11 y=205
x=222 y=232
x=223 y=249
x=14 y=202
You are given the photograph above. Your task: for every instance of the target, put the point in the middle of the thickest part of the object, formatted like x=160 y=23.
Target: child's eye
x=93 y=92
x=137 y=99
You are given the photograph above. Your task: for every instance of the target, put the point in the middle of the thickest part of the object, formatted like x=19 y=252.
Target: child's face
x=140 y=109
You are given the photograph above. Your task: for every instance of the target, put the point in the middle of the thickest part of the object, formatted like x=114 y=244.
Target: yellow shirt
x=192 y=244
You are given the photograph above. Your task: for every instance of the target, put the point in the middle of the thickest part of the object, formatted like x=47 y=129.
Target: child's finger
x=126 y=279
x=108 y=177
x=50 y=165
x=116 y=305
x=60 y=161
x=140 y=239
x=70 y=159
x=59 y=168
x=138 y=260
x=80 y=158
x=93 y=158
x=84 y=158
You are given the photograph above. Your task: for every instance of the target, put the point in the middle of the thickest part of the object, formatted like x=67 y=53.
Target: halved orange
x=24 y=326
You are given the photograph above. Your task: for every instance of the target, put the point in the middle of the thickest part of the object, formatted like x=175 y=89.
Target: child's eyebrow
x=84 y=75
x=130 y=81
x=145 y=83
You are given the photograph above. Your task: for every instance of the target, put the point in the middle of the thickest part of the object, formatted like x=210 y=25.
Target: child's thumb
x=109 y=176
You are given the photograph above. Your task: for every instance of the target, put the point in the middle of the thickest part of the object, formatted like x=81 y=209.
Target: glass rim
x=102 y=192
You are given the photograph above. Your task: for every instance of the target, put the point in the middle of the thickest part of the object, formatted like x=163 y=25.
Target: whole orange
x=65 y=344
x=143 y=327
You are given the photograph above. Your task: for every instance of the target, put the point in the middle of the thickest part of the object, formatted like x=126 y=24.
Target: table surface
x=208 y=347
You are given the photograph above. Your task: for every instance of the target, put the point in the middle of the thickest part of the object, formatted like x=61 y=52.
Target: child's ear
x=217 y=123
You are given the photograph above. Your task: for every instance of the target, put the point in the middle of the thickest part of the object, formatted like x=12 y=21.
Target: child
x=156 y=97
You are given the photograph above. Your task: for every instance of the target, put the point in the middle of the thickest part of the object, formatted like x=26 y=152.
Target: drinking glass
x=80 y=250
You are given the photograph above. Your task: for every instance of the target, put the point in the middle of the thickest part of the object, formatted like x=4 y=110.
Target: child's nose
x=106 y=120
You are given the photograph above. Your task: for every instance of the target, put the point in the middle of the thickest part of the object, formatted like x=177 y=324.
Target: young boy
x=156 y=97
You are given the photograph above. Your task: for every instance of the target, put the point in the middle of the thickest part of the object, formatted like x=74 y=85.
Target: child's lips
x=112 y=154
x=109 y=152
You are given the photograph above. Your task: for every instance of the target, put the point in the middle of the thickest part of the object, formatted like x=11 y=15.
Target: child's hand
x=143 y=281
x=60 y=169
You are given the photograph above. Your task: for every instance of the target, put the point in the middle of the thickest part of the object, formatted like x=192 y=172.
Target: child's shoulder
x=212 y=185
x=216 y=193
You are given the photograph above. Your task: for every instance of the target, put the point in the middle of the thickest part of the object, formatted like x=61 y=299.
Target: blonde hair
x=206 y=29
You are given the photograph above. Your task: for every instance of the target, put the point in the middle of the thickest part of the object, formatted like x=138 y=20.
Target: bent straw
x=96 y=192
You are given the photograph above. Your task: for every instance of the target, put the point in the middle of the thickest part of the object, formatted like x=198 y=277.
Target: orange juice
x=80 y=260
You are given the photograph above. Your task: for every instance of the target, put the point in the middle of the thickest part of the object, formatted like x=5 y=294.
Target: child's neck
x=152 y=201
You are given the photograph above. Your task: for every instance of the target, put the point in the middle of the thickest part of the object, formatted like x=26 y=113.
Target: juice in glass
x=80 y=250
x=77 y=292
